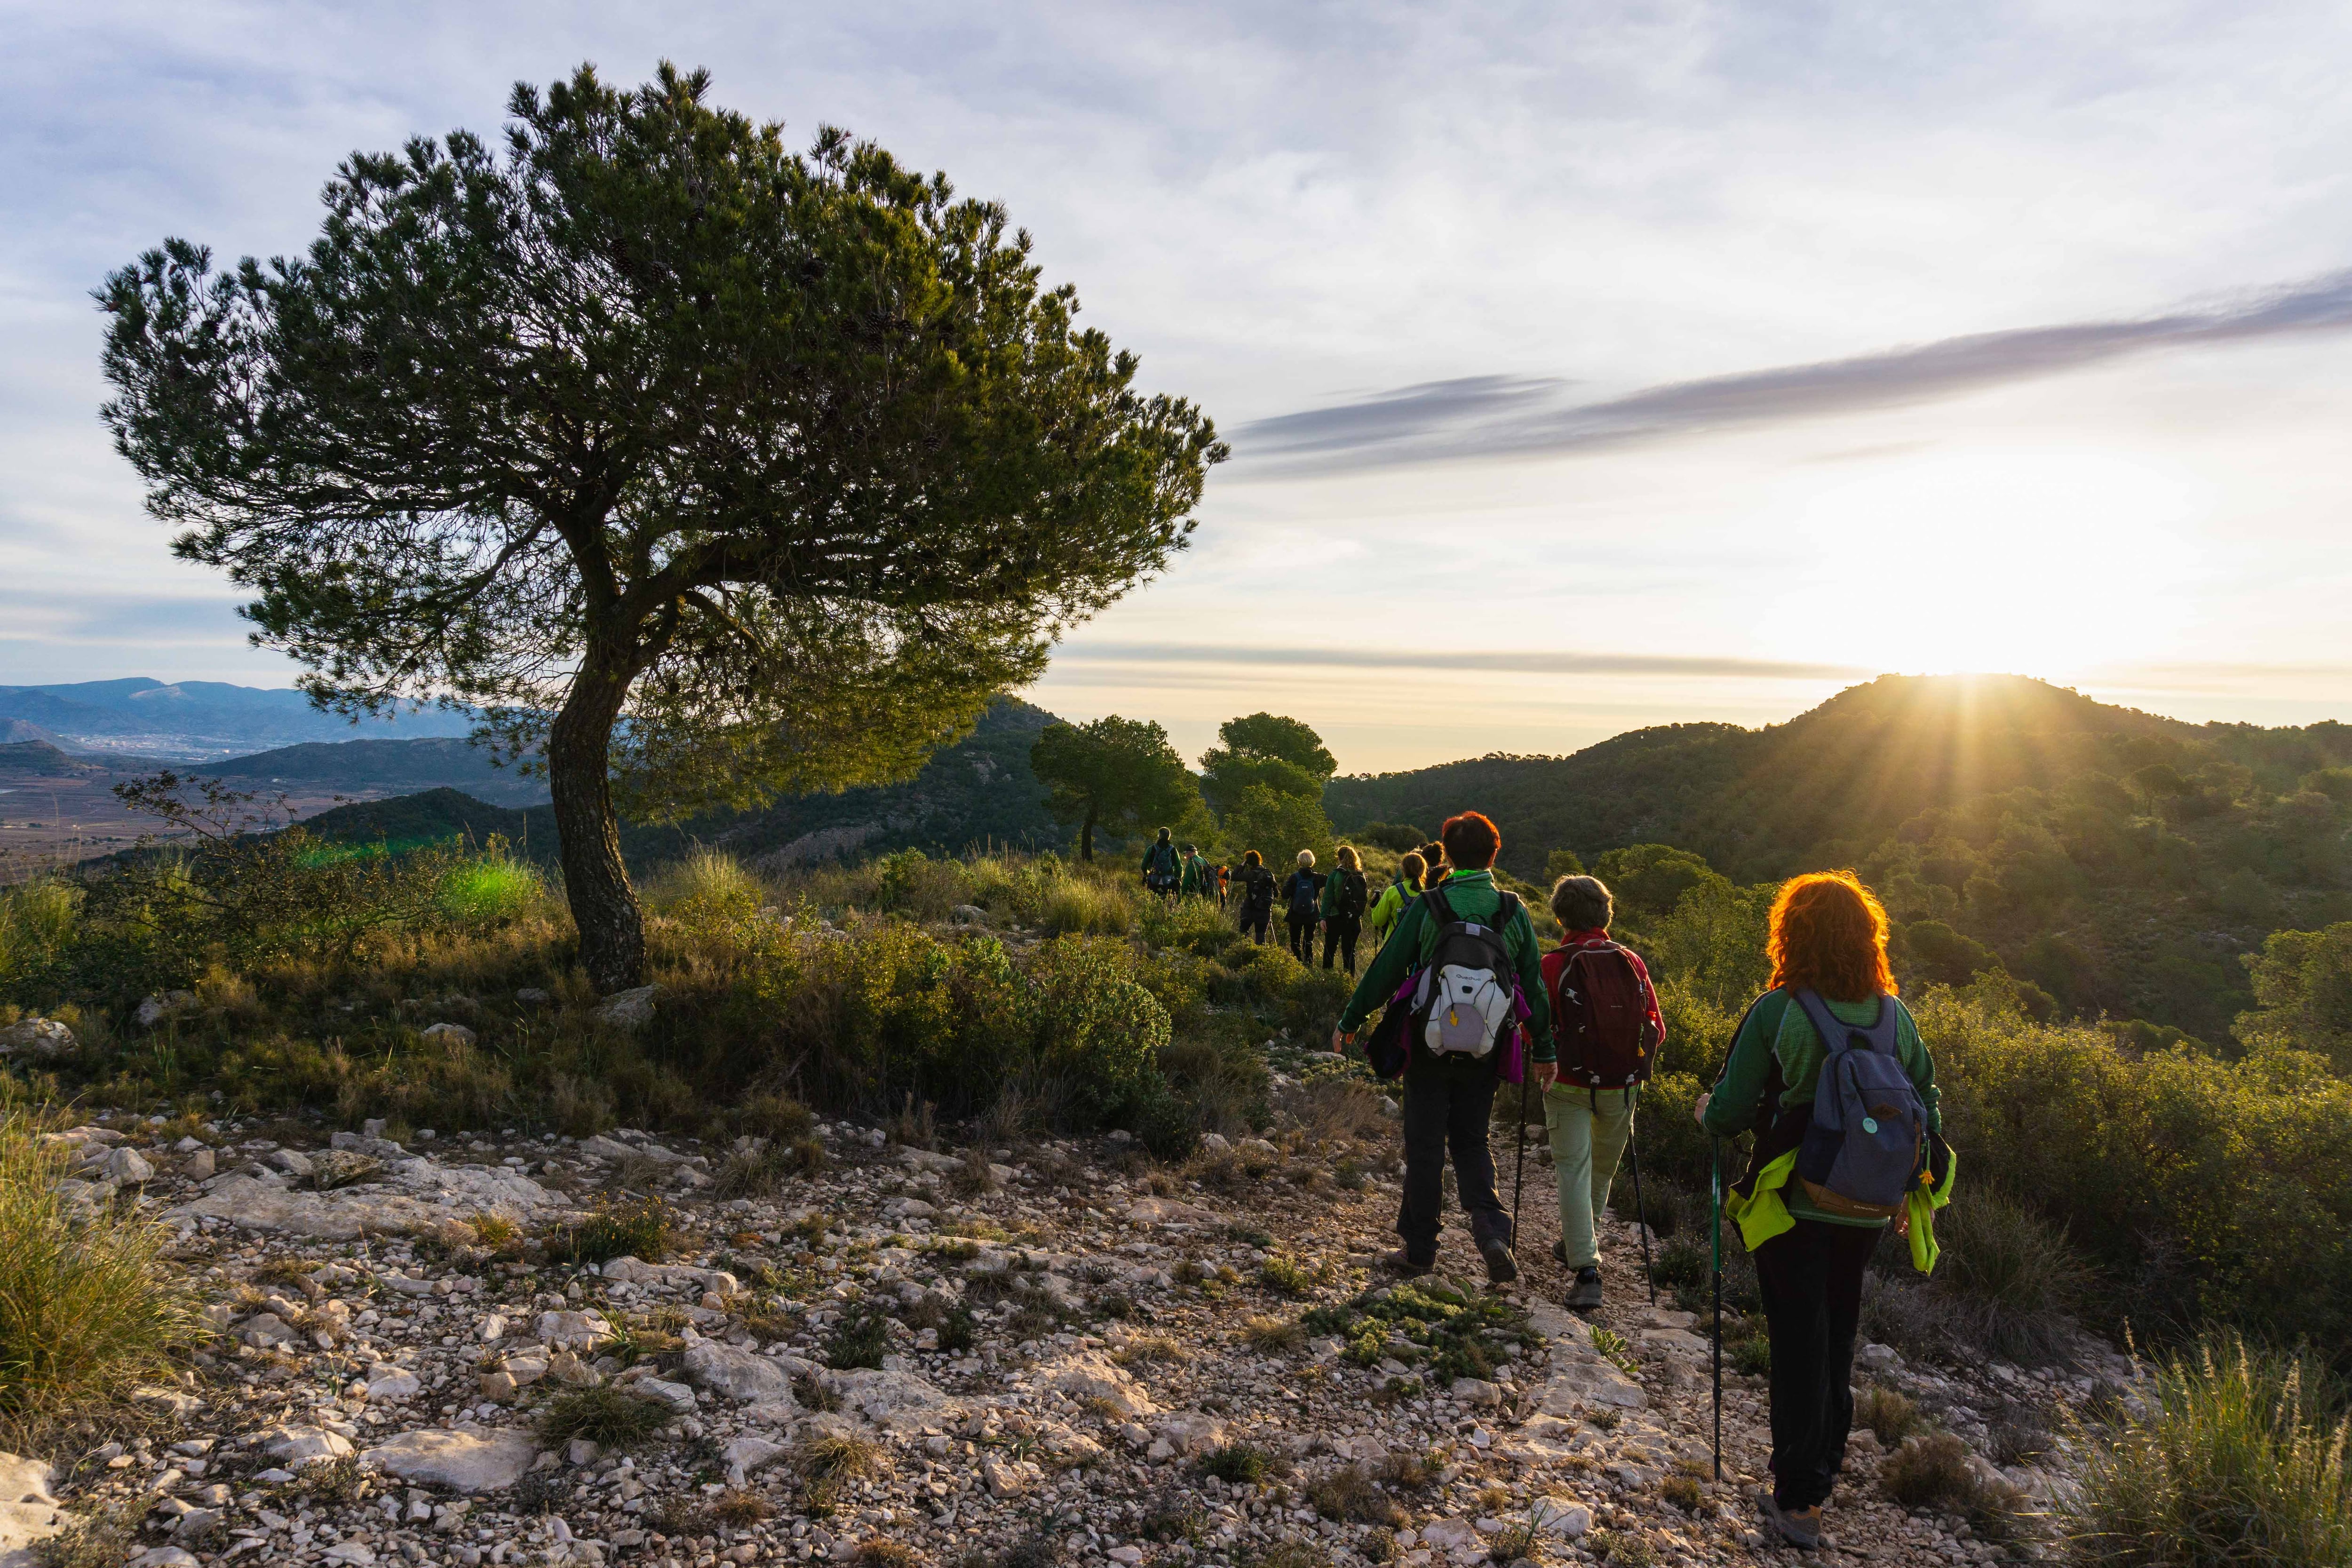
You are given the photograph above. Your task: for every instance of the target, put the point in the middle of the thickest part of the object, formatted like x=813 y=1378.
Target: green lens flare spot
x=1870 y=1124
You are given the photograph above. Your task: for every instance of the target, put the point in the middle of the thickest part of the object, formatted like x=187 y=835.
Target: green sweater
x=1472 y=895
x=1778 y=1030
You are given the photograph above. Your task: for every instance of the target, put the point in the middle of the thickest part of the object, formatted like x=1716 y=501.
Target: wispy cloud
x=1517 y=662
x=1493 y=416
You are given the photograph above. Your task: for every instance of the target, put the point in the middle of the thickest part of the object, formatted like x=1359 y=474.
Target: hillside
x=978 y=792
x=381 y=767
x=2118 y=859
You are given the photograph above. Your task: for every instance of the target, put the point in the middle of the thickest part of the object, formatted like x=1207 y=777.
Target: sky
x=1585 y=366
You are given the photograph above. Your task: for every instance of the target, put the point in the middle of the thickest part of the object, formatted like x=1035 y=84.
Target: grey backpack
x=1867 y=1146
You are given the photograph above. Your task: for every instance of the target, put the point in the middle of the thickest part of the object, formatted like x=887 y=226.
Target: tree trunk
x=1086 y=837
x=579 y=776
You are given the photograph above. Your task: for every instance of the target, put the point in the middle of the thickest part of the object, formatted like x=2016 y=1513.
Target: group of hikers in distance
x=1827 y=1069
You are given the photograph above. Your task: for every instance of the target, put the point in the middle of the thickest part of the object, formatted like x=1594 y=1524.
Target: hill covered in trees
x=2120 y=861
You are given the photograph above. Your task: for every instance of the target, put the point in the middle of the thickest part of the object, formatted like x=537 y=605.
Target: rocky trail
x=1059 y=1352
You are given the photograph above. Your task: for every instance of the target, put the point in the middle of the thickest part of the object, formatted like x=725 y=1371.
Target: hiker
x=1394 y=898
x=1606 y=1024
x=1161 y=868
x=1302 y=900
x=1256 y=895
x=1200 y=877
x=1837 y=1154
x=1475 y=948
x=1224 y=885
x=1342 y=906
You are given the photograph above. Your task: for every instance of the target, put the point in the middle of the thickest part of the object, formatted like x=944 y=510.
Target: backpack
x=1602 y=1011
x=1351 y=893
x=1470 y=989
x=1258 y=889
x=1867 y=1144
x=1304 y=898
x=1159 y=867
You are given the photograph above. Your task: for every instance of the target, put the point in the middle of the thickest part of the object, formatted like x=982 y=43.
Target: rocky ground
x=1056 y=1352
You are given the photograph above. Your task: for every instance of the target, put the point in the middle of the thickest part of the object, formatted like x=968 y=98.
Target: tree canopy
x=1116 y=773
x=713 y=469
x=1265 y=749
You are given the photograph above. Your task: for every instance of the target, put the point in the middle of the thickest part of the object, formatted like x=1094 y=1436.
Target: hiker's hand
x=1547 y=1073
x=1340 y=1038
x=1698 y=1111
x=1903 y=1222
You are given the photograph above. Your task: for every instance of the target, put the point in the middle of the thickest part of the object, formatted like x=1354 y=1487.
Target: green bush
x=2008 y=1283
x=2231 y=1461
x=85 y=1307
x=707 y=890
x=1077 y=905
x=491 y=890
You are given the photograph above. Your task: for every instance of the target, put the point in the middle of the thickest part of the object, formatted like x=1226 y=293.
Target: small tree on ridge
x=713 y=469
x=1114 y=772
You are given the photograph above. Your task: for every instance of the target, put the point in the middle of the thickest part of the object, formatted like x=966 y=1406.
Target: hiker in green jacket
x=1828 y=938
x=1449 y=1095
x=1160 y=869
x=1200 y=877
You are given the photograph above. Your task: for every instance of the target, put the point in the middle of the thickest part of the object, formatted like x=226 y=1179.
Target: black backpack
x=1351 y=893
x=1306 y=896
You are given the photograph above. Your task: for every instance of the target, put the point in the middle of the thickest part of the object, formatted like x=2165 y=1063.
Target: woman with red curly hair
x=1828 y=946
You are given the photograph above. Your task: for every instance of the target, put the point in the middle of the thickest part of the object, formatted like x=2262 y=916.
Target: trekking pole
x=1640 y=1214
x=1519 y=1163
x=1715 y=1176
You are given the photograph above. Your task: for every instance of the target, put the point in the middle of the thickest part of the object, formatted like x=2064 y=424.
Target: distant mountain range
x=192 y=721
x=377 y=767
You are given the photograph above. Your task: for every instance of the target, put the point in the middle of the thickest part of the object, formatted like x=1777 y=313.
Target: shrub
x=1937 y=1471
x=1237 y=1464
x=491 y=890
x=1076 y=906
x=705 y=891
x=861 y=1338
x=1887 y=1414
x=85 y=1307
x=1272 y=1336
x=2230 y=1461
x=2007 y=1281
x=643 y=1229
x=607 y=1414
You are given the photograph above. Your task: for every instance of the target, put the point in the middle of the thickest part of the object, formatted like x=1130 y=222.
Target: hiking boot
x=1800 y=1527
x=1585 y=1292
x=1403 y=1262
x=1501 y=1266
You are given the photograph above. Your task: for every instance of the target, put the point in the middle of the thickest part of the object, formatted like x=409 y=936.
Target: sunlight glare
x=2034 y=562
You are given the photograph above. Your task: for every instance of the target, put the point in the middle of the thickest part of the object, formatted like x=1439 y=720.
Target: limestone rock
x=570 y=1328
x=677 y=1395
x=446 y=1033
x=300 y=1445
x=737 y=1375
x=44 y=1039
x=1192 y=1431
x=392 y=1384
x=27 y=1512
x=1090 y=1376
x=628 y=1010
x=894 y=1400
x=128 y=1168
x=462 y=1461
x=631 y=1271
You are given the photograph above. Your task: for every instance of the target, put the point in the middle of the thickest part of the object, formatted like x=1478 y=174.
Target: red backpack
x=1601 y=1009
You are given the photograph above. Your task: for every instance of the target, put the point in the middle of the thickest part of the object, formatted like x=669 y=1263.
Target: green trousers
x=1589 y=1128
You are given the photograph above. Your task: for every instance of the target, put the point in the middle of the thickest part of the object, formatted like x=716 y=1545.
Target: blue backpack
x=1867 y=1145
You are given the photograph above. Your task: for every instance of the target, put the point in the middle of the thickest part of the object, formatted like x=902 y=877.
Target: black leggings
x=1254 y=923
x=1302 y=941
x=1339 y=932
x=1811 y=1279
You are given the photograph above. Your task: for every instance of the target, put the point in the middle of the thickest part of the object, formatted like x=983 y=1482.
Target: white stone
x=27 y=1512
x=1191 y=1431
x=629 y=1270
x=267 y=1331
x=628 y=1010
x=677 y=1395
x=300 y=1445
x=432 y=1193
x=1562 y=1517
x=569 y=1329
x=164 y=1557
x=1215 y=1143
x=44 y=1039
x=462 y=1461
x=894 y=1400
x=1449 y=1535
x=392 y=1384
x=1475 y=1391
x=1168 y=1211
x=449 y=1033
x=738 y=1374
x=127 y=1167
x=1091 y=1376
x=358 y=1554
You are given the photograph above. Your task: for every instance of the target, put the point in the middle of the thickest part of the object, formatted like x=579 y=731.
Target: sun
x=2034 y=562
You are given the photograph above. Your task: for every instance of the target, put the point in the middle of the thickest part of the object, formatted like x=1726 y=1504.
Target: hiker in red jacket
x=1605 y=1018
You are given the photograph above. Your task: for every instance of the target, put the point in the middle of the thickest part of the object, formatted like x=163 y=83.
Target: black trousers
x=1446 y=1103
x=1254 y=923
x=1339 y=932
x=1811 y=1280
x=1302 y=939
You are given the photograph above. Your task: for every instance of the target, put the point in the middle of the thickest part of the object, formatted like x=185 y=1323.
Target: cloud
x=1491 y=415
x=1515 y=661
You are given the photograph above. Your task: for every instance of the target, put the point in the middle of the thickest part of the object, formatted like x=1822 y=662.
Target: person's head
x=1581 y=903
x=1191 y=850
x=1412 y=868
x=1433 y=859
x=1350 y=860
x=1471 y=841
x=1163 y=836
x=1252 y=858
x=1305 y=859
x=1828 y=933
